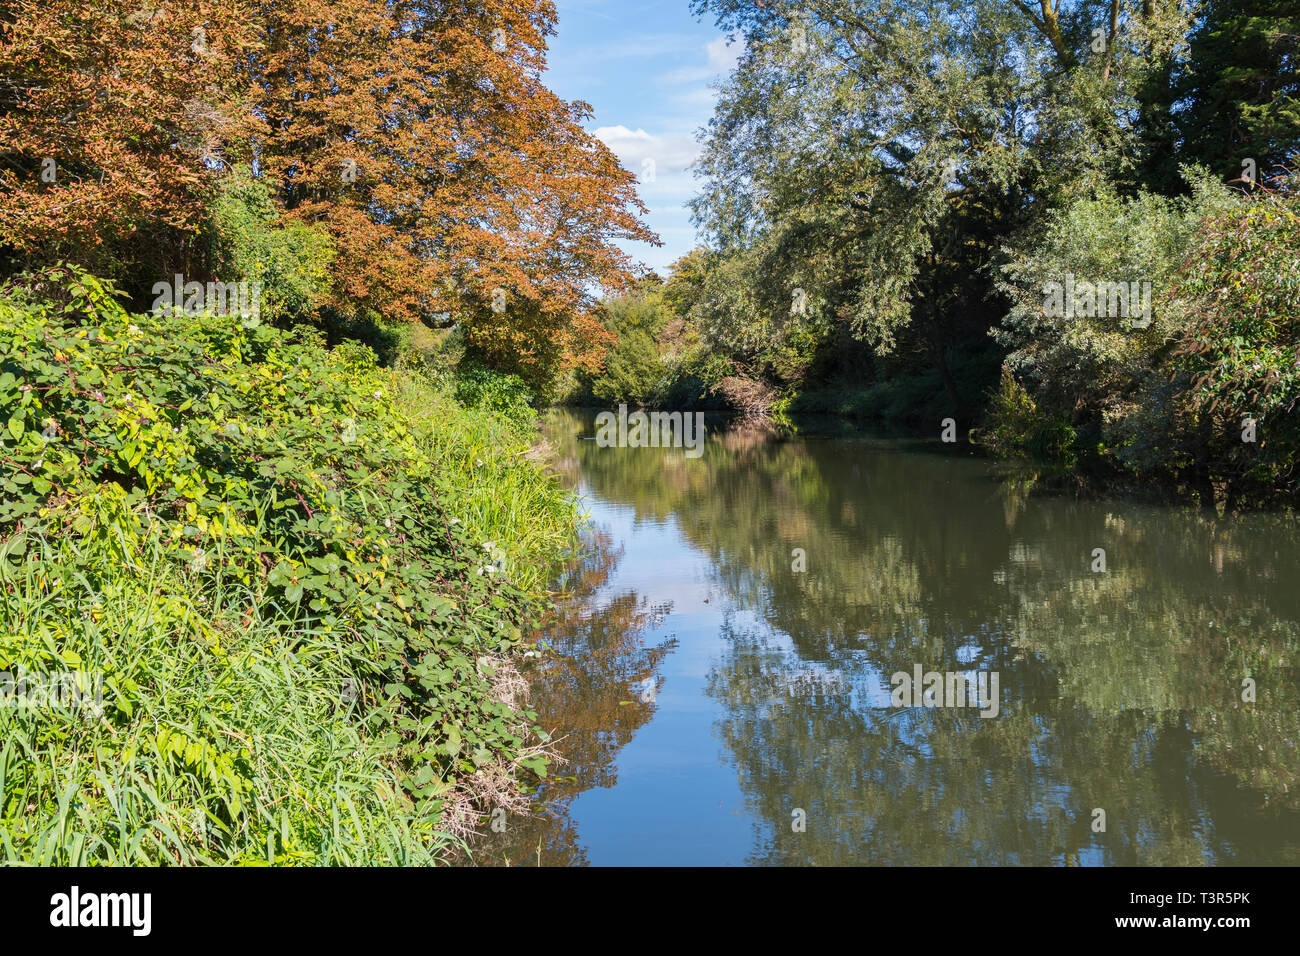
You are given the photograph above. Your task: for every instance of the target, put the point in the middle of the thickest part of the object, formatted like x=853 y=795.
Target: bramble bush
x=1240 y=349
x=280 y=524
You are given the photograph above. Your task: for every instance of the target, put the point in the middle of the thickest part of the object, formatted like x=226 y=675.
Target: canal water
x=721 y=679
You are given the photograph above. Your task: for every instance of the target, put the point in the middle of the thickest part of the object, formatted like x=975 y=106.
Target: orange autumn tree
x=112 y=121
x=457 y=188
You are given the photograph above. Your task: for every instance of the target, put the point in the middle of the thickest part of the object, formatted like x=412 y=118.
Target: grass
x=273 y=767
x=501 y=488
x=228 y=733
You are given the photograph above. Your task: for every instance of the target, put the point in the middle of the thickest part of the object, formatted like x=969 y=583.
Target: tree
x=113 y=118
x=1093 y=315
x=453 y=186
x=1240 y=89
x=875 y=154
x=456 y=186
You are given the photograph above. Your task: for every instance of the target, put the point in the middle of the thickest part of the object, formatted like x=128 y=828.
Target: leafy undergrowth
x=303 y=606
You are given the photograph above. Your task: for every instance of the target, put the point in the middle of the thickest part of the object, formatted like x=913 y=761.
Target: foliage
x=507 y=395
x=274 y=482
x=536 y=343
x=292 y=262
x=216 y=709
x=660 y=357
x=1104 y=370
x=849 y=129
x=422 y=139
x=1012 y=416
x=634 y=369
x=1239 y=87
x=127 y=108
x=874 y=160
x=1241 y=347
x=418 y=138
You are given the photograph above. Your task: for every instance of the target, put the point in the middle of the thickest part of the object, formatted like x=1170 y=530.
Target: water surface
x=711 y=697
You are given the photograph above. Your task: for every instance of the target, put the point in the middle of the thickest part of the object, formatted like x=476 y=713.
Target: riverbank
x=261 y=600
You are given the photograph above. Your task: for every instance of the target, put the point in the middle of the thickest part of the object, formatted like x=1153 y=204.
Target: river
x=721 y=678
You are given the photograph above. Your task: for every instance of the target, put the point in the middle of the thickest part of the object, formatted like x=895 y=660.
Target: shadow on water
x=1125 y=690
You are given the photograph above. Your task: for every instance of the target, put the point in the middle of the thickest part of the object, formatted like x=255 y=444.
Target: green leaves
x=224 y=440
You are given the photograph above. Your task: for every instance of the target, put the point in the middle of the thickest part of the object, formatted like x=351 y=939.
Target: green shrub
x=1014 y=425
x=274 y=506
x=1240 y=349
x=291 y=261
x=502 y=392
x=634 y=371
x=1010 y=417
x=1090 y=366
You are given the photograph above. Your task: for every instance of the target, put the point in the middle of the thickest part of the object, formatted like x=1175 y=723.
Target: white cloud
x=720 y=56
x=666 y=194
x=671 y=153
x=724 y=53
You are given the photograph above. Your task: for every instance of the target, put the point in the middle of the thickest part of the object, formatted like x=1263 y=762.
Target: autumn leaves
x=419 y=138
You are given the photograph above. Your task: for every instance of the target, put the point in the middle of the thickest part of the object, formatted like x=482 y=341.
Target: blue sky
x=646 y=68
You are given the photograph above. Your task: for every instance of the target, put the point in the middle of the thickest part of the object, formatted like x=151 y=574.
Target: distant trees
x=868 y=161
x=890 y=188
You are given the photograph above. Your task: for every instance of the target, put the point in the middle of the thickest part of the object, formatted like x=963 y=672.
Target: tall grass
x=496 y=480
x=231 y=738
x=228 y=736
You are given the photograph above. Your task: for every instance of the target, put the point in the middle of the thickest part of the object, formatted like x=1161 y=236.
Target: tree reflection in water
x=587 y=690
x=1120 y=690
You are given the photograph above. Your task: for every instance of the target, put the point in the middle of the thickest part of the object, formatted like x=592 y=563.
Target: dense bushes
x=1153 y=336
x=290 y=259
x=1083 y=357
x=858 y=198
x=1169 y=399
x=503 y=393
x=289 y=587
x=1016 y=425
x=1241 y=345
x=434 y=158
x=657 y=357
x=634 y=369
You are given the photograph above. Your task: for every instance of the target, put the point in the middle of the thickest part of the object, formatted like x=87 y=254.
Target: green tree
x=634 y=369
x=1240 y=88
x=1090 y=362
x=874 y=154
x=291 y=260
